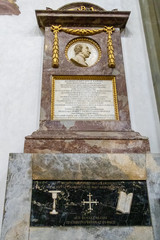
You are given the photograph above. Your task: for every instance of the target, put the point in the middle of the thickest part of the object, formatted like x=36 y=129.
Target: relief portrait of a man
x=82 y=52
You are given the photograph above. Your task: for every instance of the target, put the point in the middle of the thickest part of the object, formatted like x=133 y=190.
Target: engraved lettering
x=84 y=100
x=92 y=9
x=82 y=8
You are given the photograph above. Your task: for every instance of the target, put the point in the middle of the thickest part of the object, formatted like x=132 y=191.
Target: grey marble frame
x=23 y=167
x=16 y=219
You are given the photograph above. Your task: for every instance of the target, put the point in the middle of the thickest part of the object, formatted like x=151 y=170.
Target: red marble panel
x=85 y=146
x=85 y=142
x=101 y=68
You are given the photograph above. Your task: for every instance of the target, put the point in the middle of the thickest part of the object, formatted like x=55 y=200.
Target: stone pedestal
x=25 y=167
x=63 y=141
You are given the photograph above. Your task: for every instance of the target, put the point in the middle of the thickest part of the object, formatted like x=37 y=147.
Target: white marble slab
x=83 y=100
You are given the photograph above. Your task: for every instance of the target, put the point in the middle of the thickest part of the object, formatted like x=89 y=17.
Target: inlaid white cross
x=90 y=202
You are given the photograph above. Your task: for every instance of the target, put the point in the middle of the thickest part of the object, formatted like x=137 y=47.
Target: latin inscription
x=84 y=100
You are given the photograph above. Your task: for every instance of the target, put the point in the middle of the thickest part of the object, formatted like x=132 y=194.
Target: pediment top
x=80 y=6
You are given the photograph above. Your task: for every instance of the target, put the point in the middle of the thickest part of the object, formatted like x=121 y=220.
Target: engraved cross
x=90 y=202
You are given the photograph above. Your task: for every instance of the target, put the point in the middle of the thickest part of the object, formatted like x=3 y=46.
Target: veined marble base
x=24 y=167
x=49 y=141
x=92 y=233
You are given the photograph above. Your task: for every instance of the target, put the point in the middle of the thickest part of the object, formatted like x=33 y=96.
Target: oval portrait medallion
x=83 y=52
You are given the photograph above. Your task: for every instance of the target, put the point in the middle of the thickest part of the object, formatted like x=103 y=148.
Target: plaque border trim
x=85 y=40
x=75 y=77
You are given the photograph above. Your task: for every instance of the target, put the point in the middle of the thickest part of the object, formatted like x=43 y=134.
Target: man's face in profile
x=85 y=50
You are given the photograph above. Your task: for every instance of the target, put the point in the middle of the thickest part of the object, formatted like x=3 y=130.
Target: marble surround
x=88 y=167
x=18 y=196
x=153 y=180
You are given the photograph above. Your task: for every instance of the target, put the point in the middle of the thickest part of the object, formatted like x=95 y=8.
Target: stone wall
x=151 y=21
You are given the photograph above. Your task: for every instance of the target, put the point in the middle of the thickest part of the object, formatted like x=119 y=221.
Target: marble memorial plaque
x=80 y=98
x=107 y=203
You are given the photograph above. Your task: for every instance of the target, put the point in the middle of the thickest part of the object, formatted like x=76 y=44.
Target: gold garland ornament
x=55 y=58
x=82 y=32
x=111 y=58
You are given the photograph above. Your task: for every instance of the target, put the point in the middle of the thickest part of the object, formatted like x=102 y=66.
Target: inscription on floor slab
x=71 y=203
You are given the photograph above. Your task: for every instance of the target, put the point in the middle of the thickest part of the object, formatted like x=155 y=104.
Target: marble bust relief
x=83 y=52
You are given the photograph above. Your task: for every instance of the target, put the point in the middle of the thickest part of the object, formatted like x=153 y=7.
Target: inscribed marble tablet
x=76 y=99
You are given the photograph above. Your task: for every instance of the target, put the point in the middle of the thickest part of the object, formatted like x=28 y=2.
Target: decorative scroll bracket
x=82 y=32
